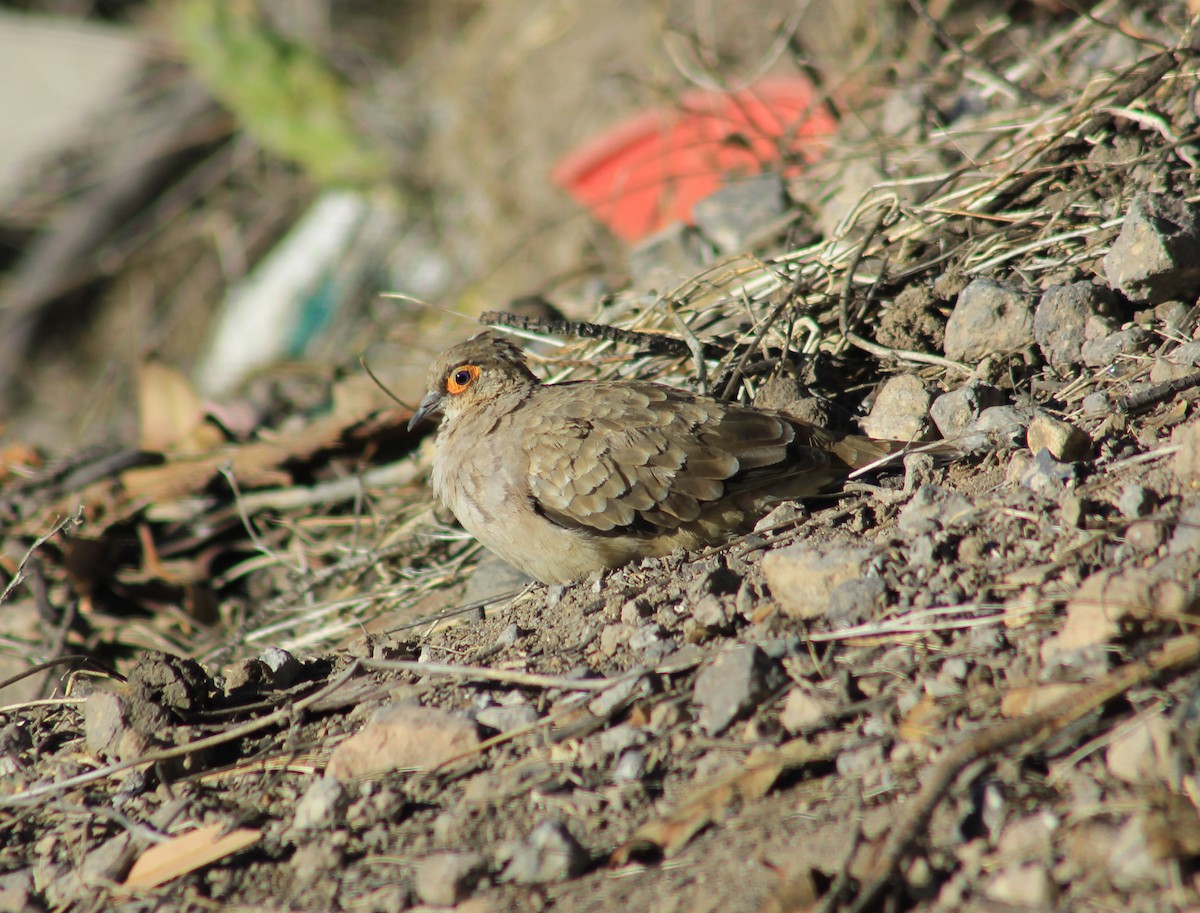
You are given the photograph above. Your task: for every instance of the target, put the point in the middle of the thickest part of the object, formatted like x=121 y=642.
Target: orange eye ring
x=461 y=378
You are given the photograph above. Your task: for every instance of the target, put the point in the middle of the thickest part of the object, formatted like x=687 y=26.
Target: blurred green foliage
x=284 y=93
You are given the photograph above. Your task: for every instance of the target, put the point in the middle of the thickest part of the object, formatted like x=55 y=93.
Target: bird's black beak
x=430 y=404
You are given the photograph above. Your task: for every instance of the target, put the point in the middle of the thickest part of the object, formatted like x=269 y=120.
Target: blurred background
x=201 y=201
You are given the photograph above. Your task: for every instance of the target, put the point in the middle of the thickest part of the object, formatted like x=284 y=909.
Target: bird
x=566 y=479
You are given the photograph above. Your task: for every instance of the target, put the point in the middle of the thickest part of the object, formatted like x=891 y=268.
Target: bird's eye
x=461 y=377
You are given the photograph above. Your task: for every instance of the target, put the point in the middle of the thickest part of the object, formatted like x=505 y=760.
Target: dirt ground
x=257 y=669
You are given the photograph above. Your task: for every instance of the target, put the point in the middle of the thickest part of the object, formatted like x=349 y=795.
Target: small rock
x=1061 y=316
x=613 y=637
x=1136 y=501
x=1103 y=351
x=1029 y=886
x=511 y=634
x=634 y=611
x=901 y=411
x=786 y=394
x=1186 y=463
x=170 y=681
x=954 y=412
x=1186 y=537
x=990 y=318
x=17 y=893
x=630 y=767
x=1143 y=755
x=107 y=730
x=618 y=739
x=1145 y=536
x=713 y=612
x=1182 y=362
x=614 y=696
x=1046 y=475
x=1131 y=865
x=506 y=719
x=804 y=710
x=283 y=667
x=1062 y=439
x=1156 y=257
x=803 y=579
x=731 y=216
x=315 y=860
x=320 y=805
x=931 y=509
x=731 y=686
x=247 y=677
x=444 y=879
x=401 y=736
x=647 y=634
x=997 y=427
x=1096 y=403
x=548 y=854
x=856 y=600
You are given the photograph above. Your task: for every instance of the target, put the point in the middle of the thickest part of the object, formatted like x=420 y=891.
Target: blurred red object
x=647 y=172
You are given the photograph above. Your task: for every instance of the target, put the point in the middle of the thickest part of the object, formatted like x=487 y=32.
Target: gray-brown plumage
x=561 y=480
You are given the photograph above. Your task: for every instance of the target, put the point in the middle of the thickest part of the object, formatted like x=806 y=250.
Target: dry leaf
x=187 y=853
x=170 y=413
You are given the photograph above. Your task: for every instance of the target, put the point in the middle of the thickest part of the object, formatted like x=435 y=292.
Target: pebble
x=549 y=853
x=901 y=410
x=1156 y=257
x=506 y=719
x=802 y=579
x=1061 y=316
x=955 y=411
x=1186 y=462
x=731 y=216
x=804 y=711
x=318 y=808
x=1046 y=475
x=997 y=427
x=284 y=667
x=1103 y=351
x=1063 y=440
x=931 y=509
x=444 y=879
x=731 y=686
x=630 y=767
x=990 y=318
x=1136 y=501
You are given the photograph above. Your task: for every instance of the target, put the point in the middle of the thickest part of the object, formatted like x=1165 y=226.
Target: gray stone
x=319 y=807
x=901 y=410
x=742 y=208
x=1103 y=351
x=731 y=686
x=445 y=879
x=1060 y=320
x=506 y=719
x=931 y=509
x=1046 y=475
x=1136 y=501
x=283 y=667
x=548 y=854
x=954 y=412
x=1156 y=257
x=630 y=767
x=990 y=318
x=998 y=427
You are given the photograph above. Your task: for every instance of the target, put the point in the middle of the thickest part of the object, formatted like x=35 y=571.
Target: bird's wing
x=640 y=459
